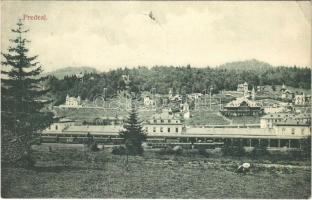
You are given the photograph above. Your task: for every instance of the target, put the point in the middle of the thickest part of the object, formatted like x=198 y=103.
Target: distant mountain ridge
x=68 y=71
x=247 y=65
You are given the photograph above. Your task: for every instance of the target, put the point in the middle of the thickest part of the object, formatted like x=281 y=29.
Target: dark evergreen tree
x=22 y=112
x=306 y=147
x=133 y=133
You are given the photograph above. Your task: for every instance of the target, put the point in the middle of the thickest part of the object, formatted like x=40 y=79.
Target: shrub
x=177 y=150
x=119 y=150
x=202 y=151
x=94 y=147
x=259 y=150
x=27 y=161
x=233 y=150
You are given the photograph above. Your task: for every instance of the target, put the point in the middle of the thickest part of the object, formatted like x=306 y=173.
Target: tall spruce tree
x=22 y=112
x=133 y=133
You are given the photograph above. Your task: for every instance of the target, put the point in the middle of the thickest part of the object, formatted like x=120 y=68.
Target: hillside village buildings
x=284 y=124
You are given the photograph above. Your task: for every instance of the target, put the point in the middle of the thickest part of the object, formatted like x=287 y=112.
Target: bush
x=233 y=150
x=203 y=152
x=27 y=161
x=119 y=150
x=177 y=150
x=259 y=150
x=94 y=147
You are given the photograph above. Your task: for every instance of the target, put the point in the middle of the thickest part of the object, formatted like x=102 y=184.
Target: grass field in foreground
x=147 y=177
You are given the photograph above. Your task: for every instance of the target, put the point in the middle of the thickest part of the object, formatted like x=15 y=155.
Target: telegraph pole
x=154 y=98
x=126 y=79
x=205 y=98
x=104 y=93
x=210 y=96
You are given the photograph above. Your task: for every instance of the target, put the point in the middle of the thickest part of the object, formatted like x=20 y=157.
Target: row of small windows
x=168 y=121
x=56 y=127
x=163 y=129
x=293 y=131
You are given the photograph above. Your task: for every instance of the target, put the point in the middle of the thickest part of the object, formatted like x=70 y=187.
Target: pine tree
x=133 y=133
x=22 y=112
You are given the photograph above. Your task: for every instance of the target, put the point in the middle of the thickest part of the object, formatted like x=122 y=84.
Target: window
x=177 y=130
x=56 y=127
x=292 y=131
x=162 y=121
x=161 y=129
x=169 y=121
x=146 y=129
x=154 y=129
x=155 y=121
x=283 y=130
x=168 y=130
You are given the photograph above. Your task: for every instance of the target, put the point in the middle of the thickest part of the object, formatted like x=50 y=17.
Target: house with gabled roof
x=242 y=107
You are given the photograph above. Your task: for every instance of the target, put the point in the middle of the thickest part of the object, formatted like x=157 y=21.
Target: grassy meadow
x=71 y=172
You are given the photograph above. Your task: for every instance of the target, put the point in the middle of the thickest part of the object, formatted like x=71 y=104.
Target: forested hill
x=183 y=79
x=68 y=71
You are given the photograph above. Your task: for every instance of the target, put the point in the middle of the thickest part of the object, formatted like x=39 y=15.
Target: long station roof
x=190 y=132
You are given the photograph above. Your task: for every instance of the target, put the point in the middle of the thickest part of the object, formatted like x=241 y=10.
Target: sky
x=107 y=35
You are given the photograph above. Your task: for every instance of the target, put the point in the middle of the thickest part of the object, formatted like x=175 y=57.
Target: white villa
x=163 y=123
x=148 y=101
x=72 y=102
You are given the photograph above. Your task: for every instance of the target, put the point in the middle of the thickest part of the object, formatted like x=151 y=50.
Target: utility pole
x=220 y=103
x=210 y=96
x=154 y=98
x=205 y=97
x=127 y=81
x=104 y=93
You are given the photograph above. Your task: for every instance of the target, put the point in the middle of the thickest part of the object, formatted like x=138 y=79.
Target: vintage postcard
x=156 y=99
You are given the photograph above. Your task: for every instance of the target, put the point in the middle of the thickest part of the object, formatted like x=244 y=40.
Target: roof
x=83 y=130
x=164 y=115
x=286 y=115
x=239 y=101
x=64 y=120
x=111 y=118
x=236 y=133
x=95 y=128
x=272 y=102
x=277 y=115
x=292 y=122
x=190 y=132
